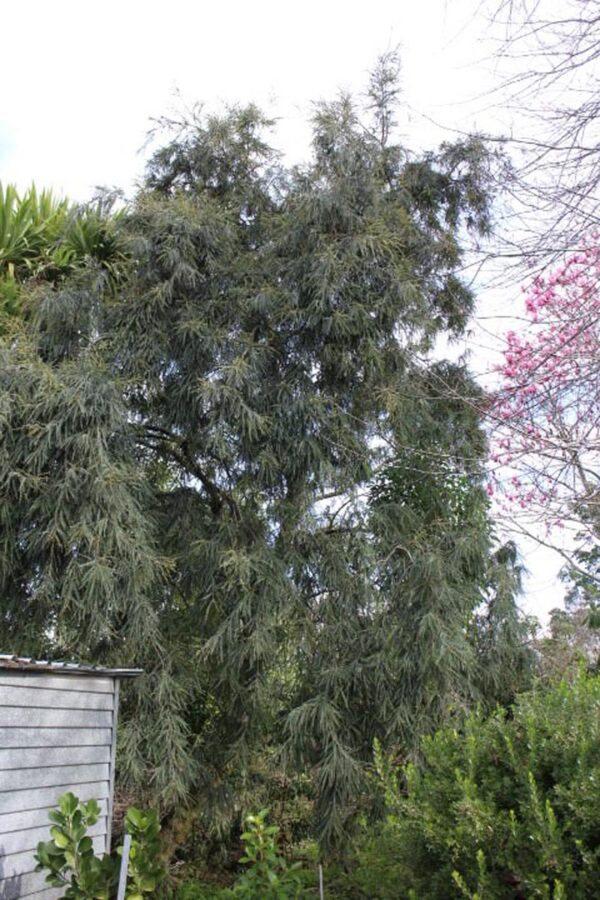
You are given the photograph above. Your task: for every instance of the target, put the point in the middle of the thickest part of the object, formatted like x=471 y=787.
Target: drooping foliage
x=503 y=637
x=237 y=468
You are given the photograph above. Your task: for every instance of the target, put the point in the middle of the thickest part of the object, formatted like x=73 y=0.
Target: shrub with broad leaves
x=71 y=863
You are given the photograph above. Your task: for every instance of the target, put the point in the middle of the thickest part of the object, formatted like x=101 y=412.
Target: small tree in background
x=545 y=419
x=546 y=59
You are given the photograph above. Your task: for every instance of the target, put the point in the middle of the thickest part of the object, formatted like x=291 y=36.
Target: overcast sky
x=82 y=82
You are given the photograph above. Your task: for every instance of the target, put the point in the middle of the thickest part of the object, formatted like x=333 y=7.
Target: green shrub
x=205 y=839
x=69 y=857
x=144 y=872
x=193 y=890
x=268 y=875
x=507 y=807
x=72 y=865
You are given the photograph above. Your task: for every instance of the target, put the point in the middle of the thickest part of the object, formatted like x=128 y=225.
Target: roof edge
x=25 y=664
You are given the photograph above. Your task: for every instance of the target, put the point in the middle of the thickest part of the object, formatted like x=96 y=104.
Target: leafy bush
x=268 y=875
x=507 y=807
x=69 y=856
x=144 y=871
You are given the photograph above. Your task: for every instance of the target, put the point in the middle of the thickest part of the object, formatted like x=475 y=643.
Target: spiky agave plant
x=31 y=226
x=46 y=238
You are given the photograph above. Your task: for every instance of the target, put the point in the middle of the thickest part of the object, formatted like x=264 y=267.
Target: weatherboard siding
x=57 y=734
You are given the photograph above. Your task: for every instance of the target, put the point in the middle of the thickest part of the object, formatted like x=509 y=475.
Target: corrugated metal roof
x=24 y=664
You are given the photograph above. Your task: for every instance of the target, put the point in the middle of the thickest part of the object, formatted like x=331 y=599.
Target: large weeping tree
x=235 y=467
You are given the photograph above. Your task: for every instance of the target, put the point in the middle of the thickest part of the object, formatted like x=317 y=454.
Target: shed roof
x=23 y=664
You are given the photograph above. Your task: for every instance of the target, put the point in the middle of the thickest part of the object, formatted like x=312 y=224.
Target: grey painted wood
x=33 y=717
x=48 y=894
x=36 y=757
x=54 y=737
x=87 y=683
x=30 y=886
x=33 y=818
x=19 y=779
x=57 y=734
x=13 y=801
x=113 y=757
x=29 y=838
x=53 y=698
x=14 y=864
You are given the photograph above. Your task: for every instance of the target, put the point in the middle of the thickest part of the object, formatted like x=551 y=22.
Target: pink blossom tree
x=545 y=417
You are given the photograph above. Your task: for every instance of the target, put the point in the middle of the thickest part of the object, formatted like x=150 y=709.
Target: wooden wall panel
x=56 y=735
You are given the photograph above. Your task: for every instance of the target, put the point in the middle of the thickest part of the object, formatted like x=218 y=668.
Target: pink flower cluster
x=545 y=418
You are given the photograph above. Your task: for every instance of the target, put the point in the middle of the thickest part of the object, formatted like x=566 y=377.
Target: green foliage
x=214 y=471
x=144 y=872
x=502 y=636
x=193 y=890
x=269 y=874
x=573 y=638
x=572 y=642
x=507 y=806
x=44 y=240
x=429 y=517
x=583 y=578
x=73 y=866
x=31 y=227
x=10 y=303
x=30 y=230
x=70 y=857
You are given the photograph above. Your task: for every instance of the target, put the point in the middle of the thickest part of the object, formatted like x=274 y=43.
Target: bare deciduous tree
x=549 y=57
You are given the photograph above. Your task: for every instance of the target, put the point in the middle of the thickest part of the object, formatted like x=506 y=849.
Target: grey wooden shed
x=58 y=729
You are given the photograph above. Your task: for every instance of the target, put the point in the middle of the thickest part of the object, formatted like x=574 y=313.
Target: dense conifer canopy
x=231 y=463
